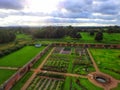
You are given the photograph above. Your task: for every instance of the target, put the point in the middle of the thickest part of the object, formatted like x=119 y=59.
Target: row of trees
x=62 y=32
x=56 y=33
x=7 y=36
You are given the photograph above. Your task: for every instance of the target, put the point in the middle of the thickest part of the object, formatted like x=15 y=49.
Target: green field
x=107 y=38
x=24 y=36
x=86 y=38
x=5 y=75
x=108 y=61
x=20 y=57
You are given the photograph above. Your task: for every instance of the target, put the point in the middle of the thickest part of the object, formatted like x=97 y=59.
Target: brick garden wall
x=114 y=46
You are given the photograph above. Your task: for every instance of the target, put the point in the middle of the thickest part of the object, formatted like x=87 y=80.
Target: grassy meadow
x=5 y=75
x=20 y=57
x=108 y=61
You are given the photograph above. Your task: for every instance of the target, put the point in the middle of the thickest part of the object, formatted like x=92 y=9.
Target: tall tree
x=99 y=36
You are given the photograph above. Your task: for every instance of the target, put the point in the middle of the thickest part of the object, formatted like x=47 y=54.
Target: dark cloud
x=12 y=4
x=107 y=7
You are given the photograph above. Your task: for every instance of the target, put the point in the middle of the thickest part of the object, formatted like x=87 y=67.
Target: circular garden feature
x=102 y=80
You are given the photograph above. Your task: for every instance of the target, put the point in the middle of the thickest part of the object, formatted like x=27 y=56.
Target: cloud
x=12 y=4
x=74 y=12
x=75 y=5
x=74 y=9
x=107 y=6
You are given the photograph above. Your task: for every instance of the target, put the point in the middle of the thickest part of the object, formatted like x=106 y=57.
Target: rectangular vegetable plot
x=57 y=62
x=46 y=81
x=82 y=63
x=77 y=61
x=20 y=57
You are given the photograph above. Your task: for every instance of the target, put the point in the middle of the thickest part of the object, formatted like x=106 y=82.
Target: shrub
x=6 y=52
x=1 y=54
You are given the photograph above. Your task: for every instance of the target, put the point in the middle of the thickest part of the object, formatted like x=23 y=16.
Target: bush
x=6 y=52
x=1 y=54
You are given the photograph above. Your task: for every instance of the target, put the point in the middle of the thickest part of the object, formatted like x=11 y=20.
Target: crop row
x=82 y=63
x=59 y=57
x=40 y=83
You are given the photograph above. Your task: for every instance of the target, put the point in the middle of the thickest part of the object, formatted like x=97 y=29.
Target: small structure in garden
x=38 y=45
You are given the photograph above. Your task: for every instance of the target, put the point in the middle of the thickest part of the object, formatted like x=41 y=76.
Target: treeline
x=7 y=36
x=51 y=32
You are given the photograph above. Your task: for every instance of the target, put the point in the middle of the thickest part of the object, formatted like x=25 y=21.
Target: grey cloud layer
x=11 y=4
x=107 y=6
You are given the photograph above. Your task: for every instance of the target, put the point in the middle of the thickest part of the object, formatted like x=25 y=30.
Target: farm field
x=5 y=75
x=20 y=57
x=108 y=61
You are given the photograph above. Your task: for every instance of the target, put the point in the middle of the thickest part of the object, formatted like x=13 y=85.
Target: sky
x=59 y=12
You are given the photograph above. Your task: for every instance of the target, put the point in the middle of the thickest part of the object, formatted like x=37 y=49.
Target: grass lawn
x=5 y=75
x=24 y=36
x=20 y=57
x=107 y=38
x=67 y=83
x=22 y=81
x=86 y=37
x=115 y=37
x=71 y=83
x=72 y=57
x=108 y=61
